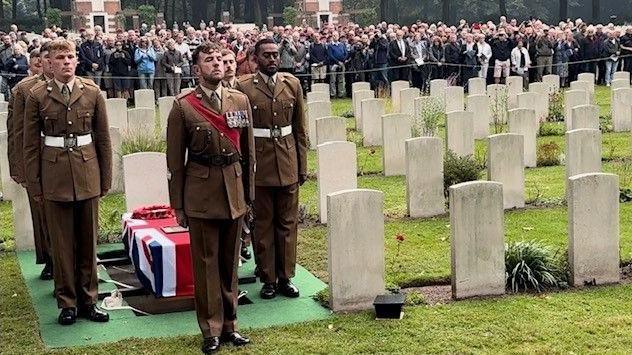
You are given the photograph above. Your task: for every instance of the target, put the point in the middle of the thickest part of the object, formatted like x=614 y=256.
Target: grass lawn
x=589 y=320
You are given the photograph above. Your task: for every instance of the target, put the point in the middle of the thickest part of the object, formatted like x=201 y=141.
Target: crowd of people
x=159 y=57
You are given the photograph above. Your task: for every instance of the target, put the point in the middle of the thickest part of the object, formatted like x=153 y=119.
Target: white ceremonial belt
x=276 y=132
x=69 y=141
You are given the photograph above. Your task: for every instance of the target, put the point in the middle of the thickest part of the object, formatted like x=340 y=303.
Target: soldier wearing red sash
x=211 y=162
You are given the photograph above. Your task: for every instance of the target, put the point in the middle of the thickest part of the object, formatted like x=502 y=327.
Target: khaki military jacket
x=203 y=191
x=15 y=124
x=280 y=161
x=67 y=174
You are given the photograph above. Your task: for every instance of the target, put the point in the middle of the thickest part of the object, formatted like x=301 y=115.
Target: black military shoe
x=211 y=345
x=235 y=338
x=268 y=291
x=67 y=316
x=245 y=253
x=47 y=271
x=91 y=312
x=287 y=288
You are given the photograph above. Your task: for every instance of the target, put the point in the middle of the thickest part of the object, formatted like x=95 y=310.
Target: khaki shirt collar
x=266 y=78
x=70 y=84
x=209 y=92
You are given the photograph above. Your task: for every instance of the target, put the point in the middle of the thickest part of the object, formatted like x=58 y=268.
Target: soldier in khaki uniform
x=211 y=161
x=279 y=129
x=15 y=125
x=69 y=172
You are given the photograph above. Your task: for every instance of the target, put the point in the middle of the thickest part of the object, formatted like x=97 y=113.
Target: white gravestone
x=477 y=239
x=3 y=121
x=358 y=96
x=505 y=164
x=498 y=102
x=355 y=248
x=588 y=77
x=622 y=109
x=437 y=88
x=9 y=187
x=396 y=129
x=542 y=98
x=622 y=75
x=619 y=84
x=407 y=100
x=144 y=98
x=330 y=129
x=22 y=221
x=117 y=113
x=337 y=171
x=583 y=152
x=585 y=86
x=573 y=98
x=529 y=100
x=316 y=110
x=514 y=87
x=396 y=87
x=4 y=106
x=145 y=177
x=593 y=229
x=477 y=86
x=454 y=99
x=522 y=121
x=553 y=81
x=117 y=160
x=141 y=120
x=479 y=106
x=424 y=177
x=318 y=96
x=164 y=108
x=360 y=85
x=322 y=87
x=585 y=116
x=372 y=112
x=460 y=133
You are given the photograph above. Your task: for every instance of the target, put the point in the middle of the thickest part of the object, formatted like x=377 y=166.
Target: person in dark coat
x=120 y=61
x=16 y=66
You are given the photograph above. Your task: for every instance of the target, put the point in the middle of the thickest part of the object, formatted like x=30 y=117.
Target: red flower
x=372 y=151
x=400 y=237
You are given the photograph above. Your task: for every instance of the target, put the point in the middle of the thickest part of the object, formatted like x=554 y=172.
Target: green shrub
x=53 y=16
x=290 y=15
x=556 y=107
x=428 y=117
x=415 y=298
x=458 y=169
x=548 y=154
x=531 y=265
x=605 y=123
x=551 y=129
x=135 y=142
x=147 y=14
x=347 y=114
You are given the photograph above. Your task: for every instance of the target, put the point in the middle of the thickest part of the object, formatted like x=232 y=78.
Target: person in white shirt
x=484 y=54
x=520 y=61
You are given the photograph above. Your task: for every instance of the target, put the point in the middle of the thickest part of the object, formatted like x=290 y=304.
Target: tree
x=147 y=14
x=596 y=10
x=14 y=10
x=563 y=10
x=199 y=11
x=502 y=7
x=446 y=11
x=218 y=10
x=290 y=15
x=38 y=6
x=53 y=17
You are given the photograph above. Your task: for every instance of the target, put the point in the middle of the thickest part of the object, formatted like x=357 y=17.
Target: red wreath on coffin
x=153 y=212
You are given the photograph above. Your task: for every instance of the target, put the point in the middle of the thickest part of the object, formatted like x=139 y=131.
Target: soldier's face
x=46 y=67
x=230 y=65
x=268 y=58
x=210 y=67
x=64 y=63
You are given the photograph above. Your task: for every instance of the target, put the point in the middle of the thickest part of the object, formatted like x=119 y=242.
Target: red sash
x=216 y=120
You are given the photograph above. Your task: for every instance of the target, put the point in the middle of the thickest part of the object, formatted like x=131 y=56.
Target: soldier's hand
x=182 y=219
x=301 y=179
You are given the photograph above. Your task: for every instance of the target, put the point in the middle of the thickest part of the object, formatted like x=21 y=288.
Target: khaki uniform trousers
x=215 y=253
x=40 y=232
x=276 y=229
x=73 y=235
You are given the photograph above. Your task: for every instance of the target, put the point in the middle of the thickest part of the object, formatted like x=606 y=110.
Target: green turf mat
x=124 y=324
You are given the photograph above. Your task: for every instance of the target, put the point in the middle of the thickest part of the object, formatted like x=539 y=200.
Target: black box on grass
x=389 y=306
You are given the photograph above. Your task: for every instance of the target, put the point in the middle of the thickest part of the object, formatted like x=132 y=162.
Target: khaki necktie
x=215 y=104
x=271 y=84
x=65 y=91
